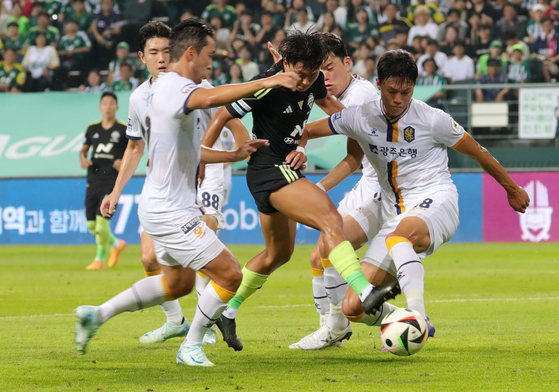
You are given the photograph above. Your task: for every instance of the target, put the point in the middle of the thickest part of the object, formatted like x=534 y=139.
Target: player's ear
x=141 y=56
x=284 y=63
x=347 y=63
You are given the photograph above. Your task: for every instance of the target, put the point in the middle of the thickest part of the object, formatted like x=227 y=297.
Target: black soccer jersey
x=107 y=145
x=279 y=115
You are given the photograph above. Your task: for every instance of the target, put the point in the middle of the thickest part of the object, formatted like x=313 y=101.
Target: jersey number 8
x=210 y=200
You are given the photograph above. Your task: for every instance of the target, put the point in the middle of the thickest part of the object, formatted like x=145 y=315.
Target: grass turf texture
x=495 y=307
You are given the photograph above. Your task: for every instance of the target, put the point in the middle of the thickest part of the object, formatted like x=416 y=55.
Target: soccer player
x=282 y=194
x=417 y=211
x=168 y=210
x=107 y=141
x=329 y=287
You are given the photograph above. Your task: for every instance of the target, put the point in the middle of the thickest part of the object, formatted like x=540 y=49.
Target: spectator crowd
x=90 y=45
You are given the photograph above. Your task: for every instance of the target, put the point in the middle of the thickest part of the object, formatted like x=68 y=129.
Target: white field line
x=309 y=305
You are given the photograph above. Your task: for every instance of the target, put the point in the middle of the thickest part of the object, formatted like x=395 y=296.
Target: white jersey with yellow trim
x=138 y=105
x=174 y=143
x=408 y=153
x=358 y=92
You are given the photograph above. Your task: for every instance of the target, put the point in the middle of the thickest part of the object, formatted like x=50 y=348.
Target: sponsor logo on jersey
x=409 y=134
x=188 y=88
x=456 y=127
x=199 y=232
x=191 y=225
x=288 y=110
x=95 y=136
x=301 y=104
x=289 y=140
x=536 y=221
x=374 y=132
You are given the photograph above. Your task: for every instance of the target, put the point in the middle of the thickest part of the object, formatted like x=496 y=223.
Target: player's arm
x=317 y=129
x=209 y=155
x=517 y=197
x=203 y=98
x=128 y=165
x=84 y=162
x=345 y=168
x=240 y=133
x=330 y=104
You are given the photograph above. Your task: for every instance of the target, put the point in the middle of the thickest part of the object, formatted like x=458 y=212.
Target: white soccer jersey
x=174 y=139
x=358 y=92
x=139 y=102
x=408 y=153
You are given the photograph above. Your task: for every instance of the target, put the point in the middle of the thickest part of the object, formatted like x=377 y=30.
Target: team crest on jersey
x=374 y=132
x=115 y=137
x=199 y=232
x=186 y=89
x=409 y=134
x=337 y=116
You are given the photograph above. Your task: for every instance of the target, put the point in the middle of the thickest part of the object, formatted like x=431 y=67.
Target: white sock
x=173 y=312
x=375 y=319
x=230 y=313
x=209 y=308
x=201 y=284
x=319 y=293
x=116 y=244
x=337 y=320
x=411 y=274
x=335 y=285
x=143 y=294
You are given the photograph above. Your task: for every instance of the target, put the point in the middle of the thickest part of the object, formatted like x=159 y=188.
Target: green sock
x=346 y=262
x=102 y=236
x=113 y=241
x=251 y=282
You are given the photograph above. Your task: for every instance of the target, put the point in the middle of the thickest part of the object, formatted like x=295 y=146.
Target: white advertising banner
x=539 y=111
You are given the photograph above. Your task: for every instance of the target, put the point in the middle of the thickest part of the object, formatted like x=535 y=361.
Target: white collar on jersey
x=394 y=119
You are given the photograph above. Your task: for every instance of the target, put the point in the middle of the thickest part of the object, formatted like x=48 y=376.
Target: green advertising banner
x=42 y=133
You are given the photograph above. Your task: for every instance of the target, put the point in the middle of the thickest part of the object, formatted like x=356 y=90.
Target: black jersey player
x=107 y=141
x=282 y=194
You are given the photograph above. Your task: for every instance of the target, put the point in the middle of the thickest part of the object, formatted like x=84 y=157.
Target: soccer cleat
x=322 y=338
x=115 y=254
x=96 y=265
x=193 y=356
x=379 y=295
x=228 y=329
x=430 y=327
x=87 y=325
x=167 y=331
x=211 y=335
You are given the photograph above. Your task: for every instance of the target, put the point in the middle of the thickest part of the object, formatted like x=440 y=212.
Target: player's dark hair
x=334 y=45
x=109 y=94
x=151 y=30
x=397 y=64
x=305 y=48
x=190 y=32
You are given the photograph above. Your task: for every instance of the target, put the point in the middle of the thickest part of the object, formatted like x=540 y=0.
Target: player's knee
x=420 y=242
x=351 y=307
x=91 y=225
x=315 y=258
x=149 y=261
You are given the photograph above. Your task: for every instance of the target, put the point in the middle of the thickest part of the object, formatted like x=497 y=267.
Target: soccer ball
x=403 y=332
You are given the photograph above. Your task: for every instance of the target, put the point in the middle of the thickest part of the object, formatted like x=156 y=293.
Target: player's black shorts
x=263 y=179
x=94 y=196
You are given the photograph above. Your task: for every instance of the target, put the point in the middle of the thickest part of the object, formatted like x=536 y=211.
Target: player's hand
x=116 y=164
x=518 y=199
x=248 y=148
x=201 y=173
x=84 y=162
x=296 y=159
x=108 y=205
x=288 y=80
x=277 y=57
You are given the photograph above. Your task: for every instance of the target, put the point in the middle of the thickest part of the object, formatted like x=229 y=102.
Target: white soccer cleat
x=167 y=331
x=193 y=356
x=211 y=335
x=322 y=338
x=87 y=324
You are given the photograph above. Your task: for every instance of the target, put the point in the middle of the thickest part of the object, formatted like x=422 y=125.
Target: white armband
x=301 y=149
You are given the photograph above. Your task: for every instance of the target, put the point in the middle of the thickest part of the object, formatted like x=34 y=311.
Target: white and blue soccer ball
x=403 y=332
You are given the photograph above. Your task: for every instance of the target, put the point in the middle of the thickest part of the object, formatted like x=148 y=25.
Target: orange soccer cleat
x=96 y=265
x=115 y=253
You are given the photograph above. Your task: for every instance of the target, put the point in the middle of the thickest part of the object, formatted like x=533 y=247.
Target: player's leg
x=304 y=202
x=92 y=198
x=176 y=324
x=116 y=246
x=225 y=273
x=279 y=237
x=319 y=292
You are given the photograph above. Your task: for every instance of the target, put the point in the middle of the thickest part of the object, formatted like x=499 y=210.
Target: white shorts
x=365 y=190
x=439 y=210
x=210 y=194
x=182 y=240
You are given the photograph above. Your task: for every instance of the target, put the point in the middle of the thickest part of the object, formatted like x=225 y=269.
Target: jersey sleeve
x=134 y=127
x=182 y=97
x=321 y=91
x=87 y=138
x=447 y=131
x=342 y=123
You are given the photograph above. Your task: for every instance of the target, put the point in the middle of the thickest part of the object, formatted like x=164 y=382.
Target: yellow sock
x=152 y=273
x=224 y=294
x=317 y=272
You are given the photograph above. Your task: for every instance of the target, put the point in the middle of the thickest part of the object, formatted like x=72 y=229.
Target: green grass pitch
x=495 y=306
